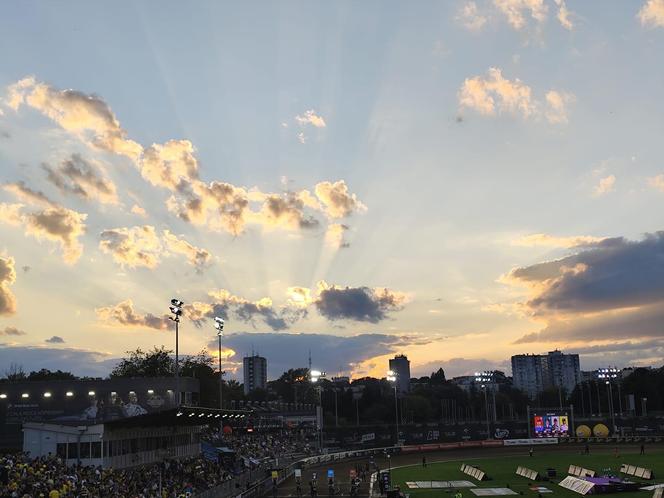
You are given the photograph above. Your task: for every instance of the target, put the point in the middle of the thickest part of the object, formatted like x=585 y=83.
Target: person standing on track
x=424 y=462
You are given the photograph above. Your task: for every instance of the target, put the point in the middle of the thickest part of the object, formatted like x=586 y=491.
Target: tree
x=15 y=372
x=155 y=363
x=438 y=377
x=46 y=374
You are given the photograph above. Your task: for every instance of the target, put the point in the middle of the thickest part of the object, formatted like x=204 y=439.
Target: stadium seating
x=473 y=472
x=533 y=475
x=577 y=471
x=632 y=470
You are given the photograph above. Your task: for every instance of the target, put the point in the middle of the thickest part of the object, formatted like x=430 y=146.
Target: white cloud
x=516 y=11
x=546 y=240
x=494 y=94
x=310 y=118
x=563 y=15
x=470 y=17
x=651 y=14
x=605 y=186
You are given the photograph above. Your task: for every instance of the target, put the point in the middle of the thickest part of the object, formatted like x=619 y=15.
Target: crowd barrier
x=577 y=471
x=473 y=472
x=632 y=470
x=533 y=475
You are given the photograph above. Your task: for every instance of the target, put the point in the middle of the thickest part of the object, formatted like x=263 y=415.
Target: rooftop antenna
x=310 y=360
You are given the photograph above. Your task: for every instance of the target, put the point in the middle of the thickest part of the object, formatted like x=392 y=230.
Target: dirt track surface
x=342 y=469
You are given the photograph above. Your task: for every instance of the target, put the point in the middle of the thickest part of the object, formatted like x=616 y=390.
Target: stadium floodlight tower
x=314 y=377
x=219 y=326
x=392 y=377
x=483 y=379
x=176 y=310
x=609 y=375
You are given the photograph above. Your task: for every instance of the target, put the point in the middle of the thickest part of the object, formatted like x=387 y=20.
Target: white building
x=120 y=443
x=255 y=373
x=533 y=373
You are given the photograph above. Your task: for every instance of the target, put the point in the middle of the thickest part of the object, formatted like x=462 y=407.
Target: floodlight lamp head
x=176 y=302
x=175 y=319
x=175 y=310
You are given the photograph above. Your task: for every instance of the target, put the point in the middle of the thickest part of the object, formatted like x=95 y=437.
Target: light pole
x=219 y=325
x=608 y=374
x=484 y=378
x=176 y=310
x=315 y=376
x=392 y=377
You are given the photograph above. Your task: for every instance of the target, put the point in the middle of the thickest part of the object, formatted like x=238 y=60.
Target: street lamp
x=176 y=310
x=484 y=378
x=219 y=326
x=392 y=377
x=315 y=376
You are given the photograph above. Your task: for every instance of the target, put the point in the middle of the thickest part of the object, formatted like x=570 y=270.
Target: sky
x=458 y=181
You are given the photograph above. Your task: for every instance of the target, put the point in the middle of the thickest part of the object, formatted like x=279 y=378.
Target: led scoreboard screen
x=551 y=425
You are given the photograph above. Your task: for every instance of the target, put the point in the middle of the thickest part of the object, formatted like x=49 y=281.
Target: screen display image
x=551 y=425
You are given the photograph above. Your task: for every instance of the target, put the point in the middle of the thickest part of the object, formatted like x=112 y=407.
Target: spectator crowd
x=50 y=477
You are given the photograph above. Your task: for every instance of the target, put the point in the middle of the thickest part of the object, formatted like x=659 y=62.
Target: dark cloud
x=78 y=361
x=26 y=194
x=287 y=211
x=610 y=274
x=79 y=177
x=644 y=322
x=7 y=278
x=56 y=339
x=25 y=268
x=123 y=314
x=13 y=331
x=361 y=304
x=329 y=353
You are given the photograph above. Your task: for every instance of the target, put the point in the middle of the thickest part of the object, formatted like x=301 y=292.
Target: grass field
x=501 y=471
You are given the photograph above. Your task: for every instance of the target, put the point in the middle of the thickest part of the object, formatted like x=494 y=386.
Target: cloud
x=334 y=237
x=78 y=361
x=139 y=211
x=124 y=315
x=196 y=256
x=172 y=166
x=11 y=331
x=605 y=186
x=302 y=138
x=7 y=278
x=613 y=274
x=657 y=182
x=28 y=195
x=563 y=15
x=134 y=247
x=546 y=240
x=634 y=324
x=651 y=14
x=361 y=304
x=516 y=11
x=470 y=17
x=55 y=340
x=61 y=225
x=222 y=303
x=55 y=222
x=495 y=94
x=310 y=118
x=337 y=201
x=557 y=104
x=328 y=352
x=80 y=177
x=286 y=211
x=86 y=116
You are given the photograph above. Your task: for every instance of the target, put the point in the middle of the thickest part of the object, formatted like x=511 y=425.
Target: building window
x=61 y=450
x=85 y=450
x=72 y=450
x=96 y=450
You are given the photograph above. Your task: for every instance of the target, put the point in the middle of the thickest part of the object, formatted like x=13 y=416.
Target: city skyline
x=459 y=182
